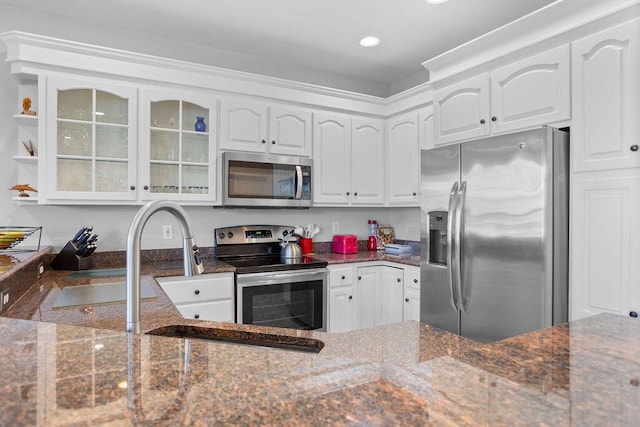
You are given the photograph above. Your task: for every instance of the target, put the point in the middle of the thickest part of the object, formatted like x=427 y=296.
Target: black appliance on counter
x=270 y=290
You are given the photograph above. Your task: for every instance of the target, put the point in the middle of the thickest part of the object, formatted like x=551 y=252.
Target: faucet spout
x=191 y=254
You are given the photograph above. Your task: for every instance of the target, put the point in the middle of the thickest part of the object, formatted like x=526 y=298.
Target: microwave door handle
x=298 y=182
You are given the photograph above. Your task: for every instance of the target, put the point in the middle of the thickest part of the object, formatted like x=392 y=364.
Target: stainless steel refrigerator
x=494 y=234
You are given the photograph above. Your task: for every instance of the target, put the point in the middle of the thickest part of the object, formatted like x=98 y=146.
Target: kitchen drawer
x=412 y=277
x=205 y=287
x=340 y=276
x=216 y=311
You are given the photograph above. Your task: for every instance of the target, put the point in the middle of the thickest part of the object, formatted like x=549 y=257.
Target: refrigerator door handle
x=451 y=242
x=459 y=219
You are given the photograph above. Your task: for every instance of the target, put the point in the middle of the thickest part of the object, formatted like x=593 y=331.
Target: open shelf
x=26 y=159
x=25 y=120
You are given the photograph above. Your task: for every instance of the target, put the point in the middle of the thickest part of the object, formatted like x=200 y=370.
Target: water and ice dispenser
x=438 y=237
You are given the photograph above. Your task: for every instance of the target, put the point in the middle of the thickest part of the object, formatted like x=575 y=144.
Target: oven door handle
x=273 y=278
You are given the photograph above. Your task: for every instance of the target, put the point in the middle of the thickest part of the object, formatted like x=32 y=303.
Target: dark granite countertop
x=78 y=366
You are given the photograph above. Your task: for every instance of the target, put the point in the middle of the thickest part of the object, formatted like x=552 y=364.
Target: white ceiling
x=311 y=41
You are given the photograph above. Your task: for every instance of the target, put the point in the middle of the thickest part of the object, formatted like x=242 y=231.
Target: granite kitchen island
x=581 y=373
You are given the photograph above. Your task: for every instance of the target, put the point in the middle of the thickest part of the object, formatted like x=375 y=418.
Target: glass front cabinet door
x=178 y=148
x=91 y=141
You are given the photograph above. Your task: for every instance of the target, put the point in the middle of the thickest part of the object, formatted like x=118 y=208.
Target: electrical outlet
x=167 y=231
x=40 y=269
x=5 y=298
x=335 y=227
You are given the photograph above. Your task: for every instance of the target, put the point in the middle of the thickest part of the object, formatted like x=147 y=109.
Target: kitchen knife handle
x=450 y=245
x=78 y=234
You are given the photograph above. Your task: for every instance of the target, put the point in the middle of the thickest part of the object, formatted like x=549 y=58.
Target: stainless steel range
x=270 y=290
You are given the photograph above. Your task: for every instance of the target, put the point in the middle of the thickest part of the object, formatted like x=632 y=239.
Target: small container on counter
x=372 y=243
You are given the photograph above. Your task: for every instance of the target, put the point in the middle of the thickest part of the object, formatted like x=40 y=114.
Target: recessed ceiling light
x=370 y=41
x=435 y=1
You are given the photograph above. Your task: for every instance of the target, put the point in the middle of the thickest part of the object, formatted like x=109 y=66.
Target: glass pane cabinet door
x=94 y=137
x=180 y=150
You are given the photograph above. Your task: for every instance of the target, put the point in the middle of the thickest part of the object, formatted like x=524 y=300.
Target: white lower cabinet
x=365 y=295
x=605 y=248
x=411 y=310
x=204 y=297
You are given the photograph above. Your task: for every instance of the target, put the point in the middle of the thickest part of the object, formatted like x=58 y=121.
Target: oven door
x=285 y=299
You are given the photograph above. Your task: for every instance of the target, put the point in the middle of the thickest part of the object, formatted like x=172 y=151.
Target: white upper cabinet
x=531 y=92
x=178 y=152
x=367 y=166
x=331 y=159
x=606 y=99
x=348 y=160
x=92 y=142
x=403 y=160
x=525 y=94
x=461 y=110
x=289 y=131
x=243 y=127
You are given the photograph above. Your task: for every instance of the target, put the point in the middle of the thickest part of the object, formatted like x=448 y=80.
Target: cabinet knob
x=344 y=277
x=197 y=292
x=634 y=147
x=482 y=121
x=196 y=316
x=398 y=280
x=633 y=314
x=350 y=296
x=273 y=142
x=133 y=187
x=355 y=194
x=406 y=300
x=264 y=141
x=359 y=277
x=348 y=193
x=415 y=280
x=146 y=187
x=414 y=193
x=494 y=118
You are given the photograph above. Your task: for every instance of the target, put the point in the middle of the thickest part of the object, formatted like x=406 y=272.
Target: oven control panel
x=251 y=234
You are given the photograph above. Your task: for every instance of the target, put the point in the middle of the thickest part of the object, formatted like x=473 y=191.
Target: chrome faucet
x=191 y=255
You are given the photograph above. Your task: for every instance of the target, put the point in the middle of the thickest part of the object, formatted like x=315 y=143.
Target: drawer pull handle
x=634 y=147
x=197 y=292
x=359 y=277
x=197 y=316
x=406 y=299
x=415 y=280
x=398 y=280
x=350 y=296
x=344 y=277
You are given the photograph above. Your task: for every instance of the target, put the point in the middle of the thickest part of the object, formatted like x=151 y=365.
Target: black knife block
x=68 y=260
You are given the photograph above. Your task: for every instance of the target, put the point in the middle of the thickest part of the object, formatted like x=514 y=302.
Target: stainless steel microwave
x=264 y=180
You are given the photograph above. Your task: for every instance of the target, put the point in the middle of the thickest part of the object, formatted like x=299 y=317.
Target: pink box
x=345 y=244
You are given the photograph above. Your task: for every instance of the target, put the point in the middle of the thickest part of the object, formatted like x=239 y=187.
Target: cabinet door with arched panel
x=178 y=146
x=91 y=129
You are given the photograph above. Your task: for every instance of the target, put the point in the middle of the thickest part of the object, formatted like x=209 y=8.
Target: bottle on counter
x=372 y=242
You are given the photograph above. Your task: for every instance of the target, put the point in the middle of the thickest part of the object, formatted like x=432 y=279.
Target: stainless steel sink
x=240 y=337
x=98 y=293
x=103 y=272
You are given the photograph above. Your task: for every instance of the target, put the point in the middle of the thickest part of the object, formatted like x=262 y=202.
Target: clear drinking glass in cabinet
x=164 y=178
x=92 y=141
x=179 y=155
x=195 y=148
